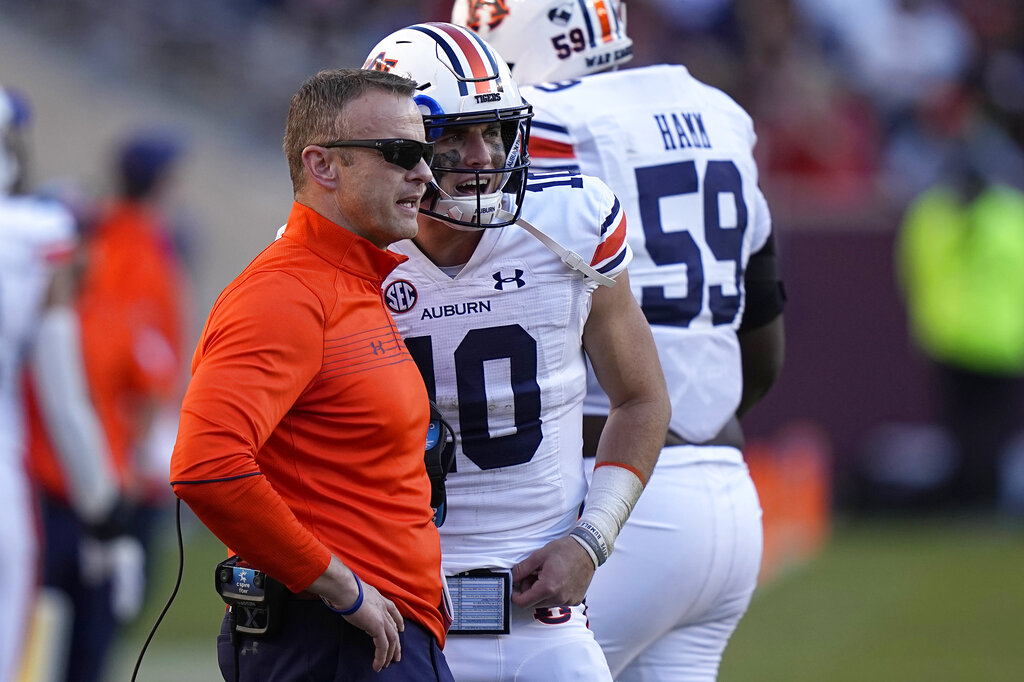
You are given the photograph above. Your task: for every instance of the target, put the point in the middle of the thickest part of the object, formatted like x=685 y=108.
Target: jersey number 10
x=510 y=343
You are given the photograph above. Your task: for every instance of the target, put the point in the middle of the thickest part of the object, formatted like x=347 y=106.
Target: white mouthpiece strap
x=570 y=258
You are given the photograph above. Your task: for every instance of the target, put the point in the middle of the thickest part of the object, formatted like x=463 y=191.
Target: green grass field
x=184 y=646
x=886 y=601
x=899 y=601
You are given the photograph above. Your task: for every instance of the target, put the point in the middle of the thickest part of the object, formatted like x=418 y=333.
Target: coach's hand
x=379 y=618
x=557 y=574
x=366 y=608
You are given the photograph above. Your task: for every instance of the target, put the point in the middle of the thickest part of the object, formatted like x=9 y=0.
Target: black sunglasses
x=403 y=153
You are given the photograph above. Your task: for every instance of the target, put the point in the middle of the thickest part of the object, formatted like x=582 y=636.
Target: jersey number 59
x=670 y=248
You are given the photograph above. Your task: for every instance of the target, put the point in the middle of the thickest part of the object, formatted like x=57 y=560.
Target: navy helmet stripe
x=586 y=18
x=616 y=24
x=485 y=50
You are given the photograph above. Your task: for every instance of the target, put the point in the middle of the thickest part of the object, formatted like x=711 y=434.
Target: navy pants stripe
x=316 y=645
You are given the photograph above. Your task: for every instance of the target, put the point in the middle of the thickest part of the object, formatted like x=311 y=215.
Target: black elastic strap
x=765 y=293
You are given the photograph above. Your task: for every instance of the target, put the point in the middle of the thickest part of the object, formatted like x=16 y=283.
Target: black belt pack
x=257 y=601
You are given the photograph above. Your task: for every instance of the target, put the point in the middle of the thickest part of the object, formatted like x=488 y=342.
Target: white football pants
x=683 y=569
x=558 y=650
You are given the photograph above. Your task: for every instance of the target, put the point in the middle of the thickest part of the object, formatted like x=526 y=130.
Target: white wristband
x=586 y=543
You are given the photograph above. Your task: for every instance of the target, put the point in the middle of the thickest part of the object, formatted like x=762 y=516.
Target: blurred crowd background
x=861 y=109
x=855 y=103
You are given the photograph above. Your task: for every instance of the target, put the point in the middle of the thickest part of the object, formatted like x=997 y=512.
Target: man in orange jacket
x=302 y=432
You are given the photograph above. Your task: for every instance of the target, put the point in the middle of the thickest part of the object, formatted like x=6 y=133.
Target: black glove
x=116 y=523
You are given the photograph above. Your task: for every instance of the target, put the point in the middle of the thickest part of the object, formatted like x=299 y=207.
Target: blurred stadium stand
x=849 y=100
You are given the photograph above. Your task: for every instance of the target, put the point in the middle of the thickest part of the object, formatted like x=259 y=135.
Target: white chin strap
x=465 y=208
x=572 y=259
x=490 y=204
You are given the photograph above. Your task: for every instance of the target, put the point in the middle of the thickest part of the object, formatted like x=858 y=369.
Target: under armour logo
x=377 y=347
x=501 y=280
x=555 y=615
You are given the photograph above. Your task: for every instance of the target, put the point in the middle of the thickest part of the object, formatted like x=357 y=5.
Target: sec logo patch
x=400 y=296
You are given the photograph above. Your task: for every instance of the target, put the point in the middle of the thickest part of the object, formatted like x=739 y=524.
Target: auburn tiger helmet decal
x=487 y=13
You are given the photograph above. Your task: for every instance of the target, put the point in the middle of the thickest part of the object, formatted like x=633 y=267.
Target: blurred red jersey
x=131 y=310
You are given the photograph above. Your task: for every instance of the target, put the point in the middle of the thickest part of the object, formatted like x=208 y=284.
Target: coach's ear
x=320 y=166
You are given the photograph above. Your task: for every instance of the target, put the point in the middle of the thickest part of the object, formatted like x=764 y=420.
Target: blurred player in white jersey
x=678 y=154
x=38 y=330
x=500 y=324
x=32 y=238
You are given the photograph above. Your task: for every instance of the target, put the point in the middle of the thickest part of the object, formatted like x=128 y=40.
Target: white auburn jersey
x=500 y=350
x=686 y=177
x=33 y=233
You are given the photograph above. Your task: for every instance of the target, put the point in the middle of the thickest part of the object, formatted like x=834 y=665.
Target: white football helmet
x=551 y=40
x=462 y=81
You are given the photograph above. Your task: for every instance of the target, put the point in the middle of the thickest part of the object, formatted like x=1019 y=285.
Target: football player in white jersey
x=500 y=323
x=38 y=329
x=32 y=237
x=678 y=154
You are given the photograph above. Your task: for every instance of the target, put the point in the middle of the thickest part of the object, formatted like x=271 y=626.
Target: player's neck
x=445 y=246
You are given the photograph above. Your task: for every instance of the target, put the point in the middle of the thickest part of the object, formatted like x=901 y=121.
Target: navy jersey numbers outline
x=671 y=248
x=538 y=181
x=557 y=86
x=507 y=342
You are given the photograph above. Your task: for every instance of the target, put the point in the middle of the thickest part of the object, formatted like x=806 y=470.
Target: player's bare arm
x=618 y=341
x=763 y=353
x=621 y=350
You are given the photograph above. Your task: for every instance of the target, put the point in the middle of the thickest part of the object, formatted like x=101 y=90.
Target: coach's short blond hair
x=315 y=111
